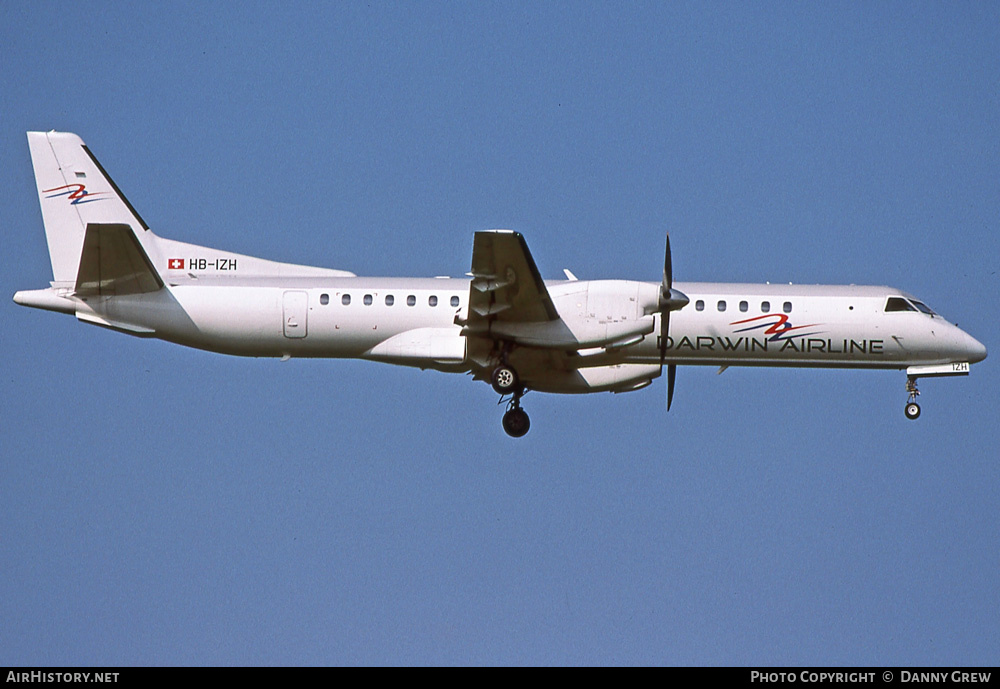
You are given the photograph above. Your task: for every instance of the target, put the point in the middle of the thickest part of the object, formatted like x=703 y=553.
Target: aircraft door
x=295 y=313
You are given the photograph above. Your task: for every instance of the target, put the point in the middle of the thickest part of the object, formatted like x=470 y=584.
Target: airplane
x=502 y=323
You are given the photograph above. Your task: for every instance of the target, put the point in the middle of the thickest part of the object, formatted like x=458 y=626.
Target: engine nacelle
x=598 y=313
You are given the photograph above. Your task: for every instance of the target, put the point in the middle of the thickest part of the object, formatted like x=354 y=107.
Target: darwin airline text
x=706 y=343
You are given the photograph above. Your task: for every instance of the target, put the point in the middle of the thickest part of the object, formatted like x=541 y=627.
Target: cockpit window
x=924 y=308
x=898 y=304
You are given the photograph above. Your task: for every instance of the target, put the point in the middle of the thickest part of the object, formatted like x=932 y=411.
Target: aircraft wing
x=506 y=285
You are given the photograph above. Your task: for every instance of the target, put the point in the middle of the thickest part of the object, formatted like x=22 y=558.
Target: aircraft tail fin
x=100 y=245
x=93 y=232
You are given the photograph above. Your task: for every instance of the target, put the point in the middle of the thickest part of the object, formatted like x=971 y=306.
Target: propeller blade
x=669 y=298
x=668 y=271
x=671 y=377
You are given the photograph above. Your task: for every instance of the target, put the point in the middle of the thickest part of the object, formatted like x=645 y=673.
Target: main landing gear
x=506 y=382
x=515 y=421
x=912 y=409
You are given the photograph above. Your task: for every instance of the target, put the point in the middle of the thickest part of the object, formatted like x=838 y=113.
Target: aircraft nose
x=975 y=349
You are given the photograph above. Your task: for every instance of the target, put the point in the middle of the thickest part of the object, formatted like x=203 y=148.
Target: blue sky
x=169 y=506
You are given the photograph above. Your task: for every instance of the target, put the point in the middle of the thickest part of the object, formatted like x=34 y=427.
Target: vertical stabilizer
x=74 y=191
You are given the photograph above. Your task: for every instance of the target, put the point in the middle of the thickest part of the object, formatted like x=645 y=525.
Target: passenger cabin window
x=324 y=299
x=744 y=306
x=432 y=300
x=368 y=300
x=898 y=304
x=346 y=300
x=699 y=305
x=454 y=301
x=787 y=307
x=765 y=306
x=411 y=300
x=722 y=305
x=389 y=300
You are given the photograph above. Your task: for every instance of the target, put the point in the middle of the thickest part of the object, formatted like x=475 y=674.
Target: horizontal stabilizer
x=113 y=263
x=127 y=328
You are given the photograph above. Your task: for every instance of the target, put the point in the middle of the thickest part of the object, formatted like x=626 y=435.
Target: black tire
x=516 y=423
x=505 y=380
x=912 y=411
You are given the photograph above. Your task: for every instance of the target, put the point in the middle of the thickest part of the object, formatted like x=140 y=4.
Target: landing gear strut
x=912 y=409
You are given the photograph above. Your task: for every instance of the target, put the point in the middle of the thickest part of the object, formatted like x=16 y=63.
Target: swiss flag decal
x=175 y=264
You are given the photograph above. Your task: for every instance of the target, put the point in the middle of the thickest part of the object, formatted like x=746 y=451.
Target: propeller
x=670 y=300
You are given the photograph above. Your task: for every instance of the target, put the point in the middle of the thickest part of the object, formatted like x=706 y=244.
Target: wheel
x=516 y=422
x=912 y=410
x=505 y=380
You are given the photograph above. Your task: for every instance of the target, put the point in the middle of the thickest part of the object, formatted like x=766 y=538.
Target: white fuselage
x=723 y=325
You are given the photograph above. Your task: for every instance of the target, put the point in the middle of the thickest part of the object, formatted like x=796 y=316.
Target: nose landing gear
x=912 y=409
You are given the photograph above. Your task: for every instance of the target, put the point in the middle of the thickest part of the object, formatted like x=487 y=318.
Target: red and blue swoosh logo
x=77 y=193
x=777 y=326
